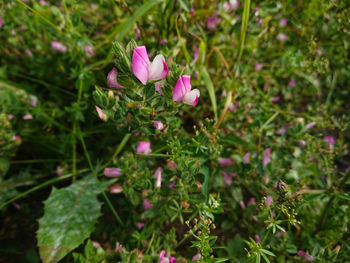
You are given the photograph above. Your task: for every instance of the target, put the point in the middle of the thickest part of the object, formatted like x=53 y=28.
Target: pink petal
x=58 y=46
x=225 y=161
x=158 y=176
x=112 y=172
x=183 y=85
x=140 y=225
x=115 y=189
x=268 y=200
x=192 y=97
x=246 y=158
x=101 y=114
x=112 y=79
x=140 y=64
x=197 y=257
x=27 y=117
x=159 y=87
x=146 y=205
x=266 y=158
x=158 y=125
x=144 y=147
x=158 y=68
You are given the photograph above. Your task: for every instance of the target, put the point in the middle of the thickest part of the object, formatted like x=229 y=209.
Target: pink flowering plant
x=174 y=131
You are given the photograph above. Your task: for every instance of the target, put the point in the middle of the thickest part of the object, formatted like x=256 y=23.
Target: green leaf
x=267 y=252
x=233 y=140
x=211 y=90
x=69 y=217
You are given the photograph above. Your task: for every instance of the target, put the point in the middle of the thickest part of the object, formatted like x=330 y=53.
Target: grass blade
x=210 y=87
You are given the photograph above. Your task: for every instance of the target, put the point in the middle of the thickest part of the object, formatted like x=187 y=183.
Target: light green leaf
x=69 y=217
x=211 y=91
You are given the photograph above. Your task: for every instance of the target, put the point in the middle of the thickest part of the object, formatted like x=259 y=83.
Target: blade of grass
x=211 y=91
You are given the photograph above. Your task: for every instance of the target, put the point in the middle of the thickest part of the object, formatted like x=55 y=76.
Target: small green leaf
x=267 y=252
x=69 y=217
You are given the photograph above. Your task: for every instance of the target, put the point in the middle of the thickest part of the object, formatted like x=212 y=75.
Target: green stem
x=47 y=183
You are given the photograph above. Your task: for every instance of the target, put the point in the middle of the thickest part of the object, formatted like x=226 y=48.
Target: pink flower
x=10 y=116
x=146 y=205
x=227 y=178
x=281 y=37
x=168 y=259
x=112 y=172
x=292 y=83
x=275 y=99
x=258 y=66
x=172 y=166
x=257 y=239
x=282 y=130
x=144 y=147
x=138 y=33
x=233 y=106
x=305 y=255
x=255 y=218
x=0 y=21
x=266 y=158
x=112 y=79
x=96 y=245
x=158 y=176
x=213 y=21
x=171 y=184
x=140 y=225
x=195 y=55
x=144 y=70
x=225 y=161
x=27 y=117
x=197 y=257
x=268 y=200
x=159 y=87
x=246 y=158
x=158 y=125
x=302 y=143
x=252 y=201
x=183 y=92
x=29 y=52
x=57 y=46
x=115 y=189
x=241 y=204
x=59 y=170
x=310 y=125
x=101 y=114
x=330 y=141
x=89 y=51
x=283 y=22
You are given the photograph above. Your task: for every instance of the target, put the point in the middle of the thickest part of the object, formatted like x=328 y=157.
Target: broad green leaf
x=211 y=91
x=69 y=217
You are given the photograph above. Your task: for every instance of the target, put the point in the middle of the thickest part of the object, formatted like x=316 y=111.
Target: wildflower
x=172 y=166
x=158 y=125
x=59 y=170
x=183 y=92
x=89 y=51
x=268 y=200
x=115 y=189
x=330 y=141
x=252 y=201
x=257 y=239
x=241 y=204
x=138 y=33
x=258 y=66
x=292 y=83
x=119 y=247
x=171 y=184
x=29 y=52
x=33 y=100
x=57 y=46
x=112 y=79
x=0 y=21
x=96 y=245
x=27 y=117
x=302 y=143
x=213 y=21
x=101 y=114
x=144 y=147
x=112 y=172
x=197 y=257
x=233 y=106
x=159 y=87
x=227 y=179
x=281 y=37
x=144 y=70
x=146 y=205
x=255 y=218
x=283 y=22
x=275 y=99
x=163 y=259
x=282 y=130
x=305 y=255
x=158 y=176
x=196 y=55
x=225 y=161
x=266 y=158
x=140 y=225
x=10 y=116
x=310 y=125
x=246 y=158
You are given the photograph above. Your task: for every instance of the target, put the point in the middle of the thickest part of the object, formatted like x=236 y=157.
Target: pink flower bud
x=27 y=117
x=146 y=205
x=158 y=176
x=310 y=125
x=266 y=158
x=115 y=189
x=257 y=239
x=89 y=51
x=101 y=114
x=281 y=37
x=225 y=161
x=305 y=255
x=268 y=200
x=330 y=140
x=283 y=22
x=158 y=125
x=302 y=143
x=144 y=147
x=197 y=257
x=246 y=158
x=292 y=83
x=241 y=204
x=57 y=46
x=112 y=172
x=140 y=225
x=258 y=66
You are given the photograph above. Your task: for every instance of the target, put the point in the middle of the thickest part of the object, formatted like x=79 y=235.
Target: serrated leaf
x=69 y=217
